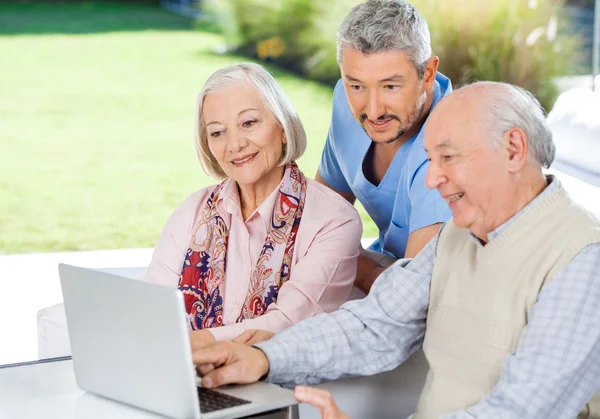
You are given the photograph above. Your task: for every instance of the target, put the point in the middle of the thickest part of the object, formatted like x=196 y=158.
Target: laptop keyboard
x=211 y=400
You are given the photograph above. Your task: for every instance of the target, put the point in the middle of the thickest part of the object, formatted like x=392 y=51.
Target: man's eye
x=392 y=87
x=447 y=158
x=355 y=87
x=248 y=124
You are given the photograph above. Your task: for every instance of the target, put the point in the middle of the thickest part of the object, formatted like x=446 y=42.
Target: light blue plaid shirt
x=553 y=374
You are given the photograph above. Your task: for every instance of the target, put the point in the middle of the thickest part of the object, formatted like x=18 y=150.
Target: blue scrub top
x=401 y=203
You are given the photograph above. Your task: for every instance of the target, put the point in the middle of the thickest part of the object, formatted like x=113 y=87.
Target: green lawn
x=96 y=132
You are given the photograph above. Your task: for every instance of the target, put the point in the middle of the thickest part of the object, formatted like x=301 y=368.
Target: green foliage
x=249 y=24
x=96 y=127
x=515 y=41
x=523 y=42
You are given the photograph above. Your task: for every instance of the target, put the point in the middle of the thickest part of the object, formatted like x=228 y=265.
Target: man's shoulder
x=579 y=217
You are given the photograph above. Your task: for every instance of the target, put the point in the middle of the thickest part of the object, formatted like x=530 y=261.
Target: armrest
x=392 y=394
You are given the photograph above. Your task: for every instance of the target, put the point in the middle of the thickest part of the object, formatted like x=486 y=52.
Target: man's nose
x=375 y=107
x=434 y=176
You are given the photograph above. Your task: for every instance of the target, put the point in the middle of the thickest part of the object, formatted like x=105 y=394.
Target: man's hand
x=230 y=363
x=322 y=400
x=201 y=339
x=251 y=337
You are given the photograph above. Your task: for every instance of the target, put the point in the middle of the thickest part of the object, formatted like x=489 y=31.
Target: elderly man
x=504 y=300
x=374 y=149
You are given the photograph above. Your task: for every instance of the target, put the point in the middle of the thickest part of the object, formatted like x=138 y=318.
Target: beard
x=407 y=123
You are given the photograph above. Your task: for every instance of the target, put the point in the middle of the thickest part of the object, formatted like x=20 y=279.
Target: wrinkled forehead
x=230 y=99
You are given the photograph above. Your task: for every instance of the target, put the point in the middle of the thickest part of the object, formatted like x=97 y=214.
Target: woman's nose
x=237 y=142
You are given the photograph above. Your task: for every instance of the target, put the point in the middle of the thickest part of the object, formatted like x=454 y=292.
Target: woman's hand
x=321 y=399
x=201 y=339
x=251 y=337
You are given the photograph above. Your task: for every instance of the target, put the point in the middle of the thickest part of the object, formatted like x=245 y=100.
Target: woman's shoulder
x=322 y=198
x=200 y=195
x=194 y=200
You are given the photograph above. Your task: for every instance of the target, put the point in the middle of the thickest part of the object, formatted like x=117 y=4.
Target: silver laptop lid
x=103 y=312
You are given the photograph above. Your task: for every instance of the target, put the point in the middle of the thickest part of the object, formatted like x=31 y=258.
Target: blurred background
x=97 y=97
x=97 y=107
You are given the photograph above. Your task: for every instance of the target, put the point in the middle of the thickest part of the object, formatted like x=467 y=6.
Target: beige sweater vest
x=480 y=298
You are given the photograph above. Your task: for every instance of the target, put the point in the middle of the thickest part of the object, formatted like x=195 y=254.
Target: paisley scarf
x=202 y=277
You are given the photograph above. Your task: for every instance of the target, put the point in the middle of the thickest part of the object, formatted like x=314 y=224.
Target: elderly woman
x=266 y=247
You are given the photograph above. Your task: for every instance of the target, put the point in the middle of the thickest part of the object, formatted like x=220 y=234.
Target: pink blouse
x=323 y=264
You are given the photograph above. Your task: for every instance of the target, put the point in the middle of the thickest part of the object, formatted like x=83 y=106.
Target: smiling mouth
x=379 y=124
x=244 y=160
x=455 y=197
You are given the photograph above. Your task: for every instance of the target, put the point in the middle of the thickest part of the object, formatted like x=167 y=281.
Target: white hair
x=272 y=96
x=514 y=107
x=386 y=25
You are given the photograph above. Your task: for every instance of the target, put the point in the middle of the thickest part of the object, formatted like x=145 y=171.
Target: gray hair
x=386 y=25
x=271 y=95
x=514 y=107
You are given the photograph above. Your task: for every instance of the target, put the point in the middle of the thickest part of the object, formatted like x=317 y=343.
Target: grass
x=96 y=134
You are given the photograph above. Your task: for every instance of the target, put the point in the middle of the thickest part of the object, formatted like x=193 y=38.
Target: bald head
x=487 y=143
x=493 y=108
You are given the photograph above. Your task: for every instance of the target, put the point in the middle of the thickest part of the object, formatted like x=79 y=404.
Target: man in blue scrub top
x=374 y=149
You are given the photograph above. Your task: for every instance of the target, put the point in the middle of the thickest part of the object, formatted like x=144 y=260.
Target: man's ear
x=517 y=148
x=431 y=67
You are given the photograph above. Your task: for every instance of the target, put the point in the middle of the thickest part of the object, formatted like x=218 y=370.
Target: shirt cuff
x=278 y=360
x=228 y=332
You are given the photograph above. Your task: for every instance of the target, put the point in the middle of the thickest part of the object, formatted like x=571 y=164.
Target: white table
x=49 y=390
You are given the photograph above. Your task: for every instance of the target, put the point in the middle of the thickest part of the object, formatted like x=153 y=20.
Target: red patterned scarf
x=203 y=274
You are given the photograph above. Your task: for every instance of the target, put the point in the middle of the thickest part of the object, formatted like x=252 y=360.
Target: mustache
x=364 y=117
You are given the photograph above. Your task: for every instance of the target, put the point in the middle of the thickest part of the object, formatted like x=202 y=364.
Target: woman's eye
x=249 y=123
x=215 y=134
x=447 y=158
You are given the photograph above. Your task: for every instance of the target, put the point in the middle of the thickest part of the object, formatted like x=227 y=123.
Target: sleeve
x=555 y=370
x=363 y=337
x=329 y=168
x=319 y=282
x=427 y=206
x=172 y=245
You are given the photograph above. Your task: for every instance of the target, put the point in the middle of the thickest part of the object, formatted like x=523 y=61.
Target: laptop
x=130 y=343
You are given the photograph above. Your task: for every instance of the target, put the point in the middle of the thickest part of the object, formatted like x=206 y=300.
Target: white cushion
x=392 y=394
x=575 y=125
x=53 y=336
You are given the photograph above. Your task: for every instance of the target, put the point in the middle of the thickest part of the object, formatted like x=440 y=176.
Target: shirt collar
x=229 y=202
x=553 y=185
